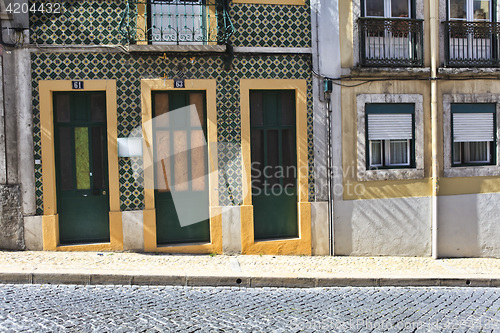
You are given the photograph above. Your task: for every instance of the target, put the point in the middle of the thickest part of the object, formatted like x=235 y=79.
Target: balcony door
x=178 y=22
x=388 y=39
x=471 y=34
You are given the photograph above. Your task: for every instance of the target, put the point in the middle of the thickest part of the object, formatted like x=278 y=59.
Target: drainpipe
x=434 y=48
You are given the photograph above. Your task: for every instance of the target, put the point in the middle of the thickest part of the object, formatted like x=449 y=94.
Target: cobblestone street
x=49 y=308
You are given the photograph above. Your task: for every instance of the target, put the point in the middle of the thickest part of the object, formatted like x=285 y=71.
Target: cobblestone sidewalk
x=30 y=263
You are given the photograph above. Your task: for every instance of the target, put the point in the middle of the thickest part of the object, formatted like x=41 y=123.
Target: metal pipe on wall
x=434 y=48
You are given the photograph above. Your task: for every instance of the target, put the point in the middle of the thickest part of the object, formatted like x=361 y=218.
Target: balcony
x=176 y=22
x=391 y=42
x=472 y=44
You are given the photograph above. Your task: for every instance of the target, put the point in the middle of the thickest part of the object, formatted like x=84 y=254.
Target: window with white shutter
x=473 y=134
x=390 y=135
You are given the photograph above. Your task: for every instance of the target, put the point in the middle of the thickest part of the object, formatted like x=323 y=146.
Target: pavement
x=123 y=268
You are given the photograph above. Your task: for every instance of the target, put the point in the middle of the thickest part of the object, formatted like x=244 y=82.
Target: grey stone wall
x=11 y=218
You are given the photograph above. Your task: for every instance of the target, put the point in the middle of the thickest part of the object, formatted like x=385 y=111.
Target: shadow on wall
x=391 y=227
x=469 y=225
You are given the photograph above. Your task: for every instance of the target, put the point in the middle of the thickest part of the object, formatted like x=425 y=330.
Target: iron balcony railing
x=472 y=44
x=177 y=22
x=391 y=42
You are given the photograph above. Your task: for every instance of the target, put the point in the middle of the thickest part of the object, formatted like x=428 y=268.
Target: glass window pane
x=82 y=158
x=163 y=164
x=256 y=118
x=257 y=158
x=375 y=8
x=98 y=107
x=398 y=152
x=161 y=110
x=376 y=153
x=197 y=100
x=478 y=152
x=98 y=157
x=288 y=108
x=273 y=153
x=288 y=144
x=458 y=9
x=457 y=152
x=65 y=159
x=180 y=161
x=481 y=9
x=198 y=160
x=399 y=8
x=63 y=113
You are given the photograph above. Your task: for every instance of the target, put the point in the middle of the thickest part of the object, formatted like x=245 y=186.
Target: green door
x=81 y=167
x=274 y=160
x=181 y=166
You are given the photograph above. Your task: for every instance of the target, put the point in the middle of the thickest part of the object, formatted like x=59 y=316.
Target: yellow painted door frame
x=50 y=222
x=302 y=244
x=150 y=244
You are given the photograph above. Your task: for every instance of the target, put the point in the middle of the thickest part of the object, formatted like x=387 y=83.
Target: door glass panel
x=198 y=160
x=66 y=160
x=98 y=107
x=196 y=99
x=288 y=108
x=256 y=106
x=375 y=8
x=399 y=8
x=163 y=166
x=98 y=158
x=82 y=158
x=458 y=9
x=161 y=109
x=272 y=157
x=288 y=145
x=63 y=113
x=270 y=106
x=180 y=161
x=257 y=158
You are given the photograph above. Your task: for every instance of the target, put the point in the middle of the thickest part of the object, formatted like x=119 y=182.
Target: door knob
x=103 y=192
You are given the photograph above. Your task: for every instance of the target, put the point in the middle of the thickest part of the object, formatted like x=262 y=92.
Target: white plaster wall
x=383 y=227
x=33 y=233
x=319 y=229
x=133 y=230
x=231 y=229
x=469 y=225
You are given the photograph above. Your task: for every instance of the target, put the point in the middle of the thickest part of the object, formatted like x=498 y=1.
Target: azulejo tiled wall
x=98 y=22
x=129 y=69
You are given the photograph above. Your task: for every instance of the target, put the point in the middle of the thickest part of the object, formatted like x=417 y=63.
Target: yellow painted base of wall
x=292 y=246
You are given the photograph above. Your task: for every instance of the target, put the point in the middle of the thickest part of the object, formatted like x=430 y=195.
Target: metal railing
x=472 y=44
x=177 y=22
x=391 y=42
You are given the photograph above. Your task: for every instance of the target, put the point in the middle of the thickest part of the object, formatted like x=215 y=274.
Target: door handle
x=103 y=192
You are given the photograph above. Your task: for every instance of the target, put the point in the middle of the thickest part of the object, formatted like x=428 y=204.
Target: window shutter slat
x=390 y=126
x=473 y=127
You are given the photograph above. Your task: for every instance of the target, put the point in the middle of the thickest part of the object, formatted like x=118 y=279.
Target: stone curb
x=237 y=281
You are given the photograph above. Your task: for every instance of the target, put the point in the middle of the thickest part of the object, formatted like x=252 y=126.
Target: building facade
x=110 y=171
x=413 y=103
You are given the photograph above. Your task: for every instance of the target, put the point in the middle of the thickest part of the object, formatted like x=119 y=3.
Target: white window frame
x=417 y=172
x=470 y=170
x=469 y=15
x=387 y=9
